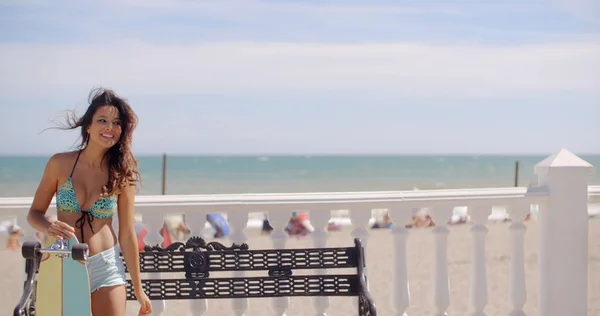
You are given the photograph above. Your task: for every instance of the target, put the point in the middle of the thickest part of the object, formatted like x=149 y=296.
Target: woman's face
x=105 y=128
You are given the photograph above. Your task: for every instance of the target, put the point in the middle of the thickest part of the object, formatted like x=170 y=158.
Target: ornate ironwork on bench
x=197 y=259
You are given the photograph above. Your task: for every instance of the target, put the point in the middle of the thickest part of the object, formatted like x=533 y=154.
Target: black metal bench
x=198 y=259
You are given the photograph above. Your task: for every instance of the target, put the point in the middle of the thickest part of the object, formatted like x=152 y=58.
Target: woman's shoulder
x=64 y=156
x=62 y=159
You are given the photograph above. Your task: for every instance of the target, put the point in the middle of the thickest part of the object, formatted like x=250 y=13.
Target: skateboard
x=63 y=286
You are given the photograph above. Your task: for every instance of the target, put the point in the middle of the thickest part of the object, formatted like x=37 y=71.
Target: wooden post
x=164 y=174
x=517 y=173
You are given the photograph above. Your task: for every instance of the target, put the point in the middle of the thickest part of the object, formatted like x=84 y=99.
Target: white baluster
x=479 y=288
x=154 y=222
x=360 y=221
x=238 y=220
x=319 y=220
x=29 y=234
x=401 y=290
x=517 y=291
x=441 y=284
x=196 y=221
x=279 y=220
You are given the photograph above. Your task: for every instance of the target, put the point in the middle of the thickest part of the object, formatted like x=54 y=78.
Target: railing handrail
x=310 y=198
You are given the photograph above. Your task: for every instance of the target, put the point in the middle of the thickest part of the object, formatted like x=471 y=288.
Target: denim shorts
x=106 y=269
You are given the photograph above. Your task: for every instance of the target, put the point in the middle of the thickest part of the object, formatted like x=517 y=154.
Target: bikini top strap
x=75 y=164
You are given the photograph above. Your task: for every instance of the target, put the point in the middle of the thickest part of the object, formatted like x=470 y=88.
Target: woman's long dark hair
x=122 y=165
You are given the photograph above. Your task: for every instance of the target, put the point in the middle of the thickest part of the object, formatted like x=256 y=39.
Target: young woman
x=91 y=185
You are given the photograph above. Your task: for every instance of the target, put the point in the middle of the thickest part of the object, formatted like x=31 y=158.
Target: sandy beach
x=380 y=261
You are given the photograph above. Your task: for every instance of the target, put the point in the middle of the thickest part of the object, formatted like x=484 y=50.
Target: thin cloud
x=178 y=21
x=585 y=10
x=365 y=7
x=240 y=8
x=394 y=68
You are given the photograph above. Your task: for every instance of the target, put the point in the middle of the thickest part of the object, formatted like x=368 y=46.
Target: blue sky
x=308 y=77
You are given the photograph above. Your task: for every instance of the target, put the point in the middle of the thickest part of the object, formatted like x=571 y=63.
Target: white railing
x=594 y=194
x=562 y=200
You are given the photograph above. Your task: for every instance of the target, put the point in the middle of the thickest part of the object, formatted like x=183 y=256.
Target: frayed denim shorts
x=106 y=269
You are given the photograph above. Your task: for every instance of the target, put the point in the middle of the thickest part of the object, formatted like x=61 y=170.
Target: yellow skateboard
x=63 y=287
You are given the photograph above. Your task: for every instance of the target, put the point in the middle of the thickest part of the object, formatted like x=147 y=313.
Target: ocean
x=20 y=175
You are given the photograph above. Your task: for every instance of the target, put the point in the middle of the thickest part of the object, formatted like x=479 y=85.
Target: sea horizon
x=286 y=173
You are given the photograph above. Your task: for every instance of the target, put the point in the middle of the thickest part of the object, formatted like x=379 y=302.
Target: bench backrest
x=198 y=259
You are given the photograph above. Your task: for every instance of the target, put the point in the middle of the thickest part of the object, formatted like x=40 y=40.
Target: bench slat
x=248 y=287
x=251 y=260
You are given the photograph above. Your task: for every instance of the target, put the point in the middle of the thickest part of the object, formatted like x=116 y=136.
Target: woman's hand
x=129 y=245
x=145 y=305
x=60 y=229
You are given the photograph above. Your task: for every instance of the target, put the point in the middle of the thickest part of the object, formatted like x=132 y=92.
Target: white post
x=400 y=295
x=441 y=283
x=29 y=234
x=154 y=223
x=517 y=289
x=479 y=285
x=360 y=220
x=238 y=220
x=319 y=219
x=279 y=237
x=196 y=221
x=563 y=259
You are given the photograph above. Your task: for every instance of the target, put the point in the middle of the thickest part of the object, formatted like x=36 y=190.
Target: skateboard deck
x=49 y=283
x=63 y=286
x=76 y=300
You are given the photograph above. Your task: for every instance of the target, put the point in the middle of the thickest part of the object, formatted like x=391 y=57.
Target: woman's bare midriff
x=104 y=238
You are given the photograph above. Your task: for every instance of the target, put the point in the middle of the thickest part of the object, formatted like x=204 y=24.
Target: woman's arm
x=129 y=246
x=43 y=196
x=128 y=237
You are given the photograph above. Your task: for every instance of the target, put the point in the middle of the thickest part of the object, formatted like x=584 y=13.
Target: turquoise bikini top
x=66 y=201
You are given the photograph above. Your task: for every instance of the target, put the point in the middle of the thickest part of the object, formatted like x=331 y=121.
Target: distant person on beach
x=91 y=185
x=142 y=232
x=14 y=237
x=387 y=223
x=266 y=226
x=421 y=219
x=219 y=224
x=299 y=225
